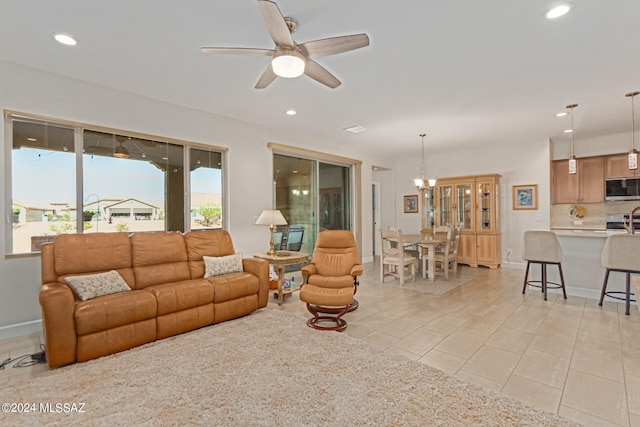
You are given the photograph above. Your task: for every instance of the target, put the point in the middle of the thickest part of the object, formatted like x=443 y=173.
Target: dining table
x=430 y=243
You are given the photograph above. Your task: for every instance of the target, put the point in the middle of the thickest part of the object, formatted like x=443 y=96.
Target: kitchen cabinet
x=585 y=186
x=617 y=166
x=470 y=204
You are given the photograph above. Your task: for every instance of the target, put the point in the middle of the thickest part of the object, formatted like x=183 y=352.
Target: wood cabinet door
x=467 y=249
x=591 y=171
x=565 y=187
x=487 y=250
x=618 y=167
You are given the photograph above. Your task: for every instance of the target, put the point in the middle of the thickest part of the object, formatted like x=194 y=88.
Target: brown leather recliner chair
x=331 y=279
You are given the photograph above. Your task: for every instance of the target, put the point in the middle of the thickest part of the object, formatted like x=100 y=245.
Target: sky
x=41 y=177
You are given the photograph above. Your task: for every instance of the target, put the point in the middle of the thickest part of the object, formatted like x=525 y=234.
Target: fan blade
x=333 y=45
x=266 y=78
x=318 y=73
x=237 y=51
x=277 y=28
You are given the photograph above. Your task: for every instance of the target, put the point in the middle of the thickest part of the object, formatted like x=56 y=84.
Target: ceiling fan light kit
x=288 y=63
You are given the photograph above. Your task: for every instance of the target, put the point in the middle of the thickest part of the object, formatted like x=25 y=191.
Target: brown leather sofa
x=169 y=294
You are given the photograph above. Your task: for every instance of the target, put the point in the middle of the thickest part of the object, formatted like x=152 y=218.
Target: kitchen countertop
x=584 y=232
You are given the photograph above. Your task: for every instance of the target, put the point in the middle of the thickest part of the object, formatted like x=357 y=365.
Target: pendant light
x=633 y=154
x=419 y=182
x=573 y=164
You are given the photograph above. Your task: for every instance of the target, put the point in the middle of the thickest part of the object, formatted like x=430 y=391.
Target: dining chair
x=442 y=232
x=393 y=255
x=447 y=260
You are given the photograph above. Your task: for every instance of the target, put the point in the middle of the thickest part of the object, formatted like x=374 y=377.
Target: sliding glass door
x=334 y=206
x=313 y=195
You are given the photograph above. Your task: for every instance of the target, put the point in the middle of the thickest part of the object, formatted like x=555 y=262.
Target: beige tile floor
x=571 y=357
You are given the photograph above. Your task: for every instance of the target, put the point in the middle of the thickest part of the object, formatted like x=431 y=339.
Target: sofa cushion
x=218 y=265
x=159 y=257
x=200 y=243
x=95 y=285
x=87 y=253
x=177 y=296
x=112 y=311
x=234 y=285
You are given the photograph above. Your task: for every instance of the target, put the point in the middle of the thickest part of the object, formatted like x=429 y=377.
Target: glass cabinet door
x=485 y=195
x=445 y=207
x=428 y=210
x=463 y=205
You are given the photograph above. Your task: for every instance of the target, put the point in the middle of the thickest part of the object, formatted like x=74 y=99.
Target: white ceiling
x=466 y=72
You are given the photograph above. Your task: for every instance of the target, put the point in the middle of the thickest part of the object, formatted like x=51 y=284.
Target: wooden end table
x=279 y=261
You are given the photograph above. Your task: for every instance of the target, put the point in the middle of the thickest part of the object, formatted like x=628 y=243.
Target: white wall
x=249 y=165
x=596 y=146
x=519 y=163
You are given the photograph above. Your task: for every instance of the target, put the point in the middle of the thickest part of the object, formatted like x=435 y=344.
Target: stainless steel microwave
x=622 y=189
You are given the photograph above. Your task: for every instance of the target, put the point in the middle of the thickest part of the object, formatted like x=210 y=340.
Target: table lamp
x=271 y=218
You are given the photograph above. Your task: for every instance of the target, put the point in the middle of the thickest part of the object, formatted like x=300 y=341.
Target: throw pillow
x=217 y=265
x=95 y=285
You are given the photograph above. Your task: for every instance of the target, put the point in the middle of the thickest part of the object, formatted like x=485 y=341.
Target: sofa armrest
x=357 y=270
x=58 y=308
x=308 y=270
x=260 y=269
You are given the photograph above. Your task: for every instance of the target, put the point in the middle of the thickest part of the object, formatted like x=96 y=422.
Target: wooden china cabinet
x=472 y=205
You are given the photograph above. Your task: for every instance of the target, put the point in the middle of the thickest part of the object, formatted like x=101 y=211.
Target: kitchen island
x=583 y=272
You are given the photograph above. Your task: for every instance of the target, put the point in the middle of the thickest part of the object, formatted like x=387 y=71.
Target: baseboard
x=514 y=265
x=20 y=329
x=367 y=259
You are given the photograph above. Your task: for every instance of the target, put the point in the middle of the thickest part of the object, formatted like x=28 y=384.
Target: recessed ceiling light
x=564 y=113
x=65 y=39
x=355 y=129
x=568 y=131
x=291 y=112
x=558 y=11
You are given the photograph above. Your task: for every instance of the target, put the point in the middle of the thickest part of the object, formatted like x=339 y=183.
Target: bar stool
x=620 y=253
x=543 y=247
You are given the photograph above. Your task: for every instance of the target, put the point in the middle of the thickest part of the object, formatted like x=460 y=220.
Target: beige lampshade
x=271 y=217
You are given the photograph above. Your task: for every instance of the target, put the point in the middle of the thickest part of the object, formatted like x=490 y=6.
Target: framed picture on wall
x=411 y=204
x=525 y=196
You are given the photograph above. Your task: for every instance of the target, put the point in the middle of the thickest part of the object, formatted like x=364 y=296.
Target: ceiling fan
x=290 y=59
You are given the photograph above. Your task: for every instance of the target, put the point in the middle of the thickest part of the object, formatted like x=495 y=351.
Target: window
x=206 y=189
x=121 y=183
x=43 y=184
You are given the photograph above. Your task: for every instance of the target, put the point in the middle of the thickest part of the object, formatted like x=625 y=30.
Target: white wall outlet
x=577 y=222
x=538 y=217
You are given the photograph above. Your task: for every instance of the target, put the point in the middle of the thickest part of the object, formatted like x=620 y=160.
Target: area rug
x=438 y=287
x=265 y=369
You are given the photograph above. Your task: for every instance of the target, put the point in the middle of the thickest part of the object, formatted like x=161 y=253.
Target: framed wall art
x=411 y=204
x=525 y=196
